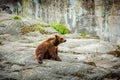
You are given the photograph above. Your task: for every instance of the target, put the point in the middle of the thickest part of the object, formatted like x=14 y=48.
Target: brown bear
x=49 y=49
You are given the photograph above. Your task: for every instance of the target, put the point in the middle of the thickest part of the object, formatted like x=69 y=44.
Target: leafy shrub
x=83 y=34
x=61 y=28
x=16 y=17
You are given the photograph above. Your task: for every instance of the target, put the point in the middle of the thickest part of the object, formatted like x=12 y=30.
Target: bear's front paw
x=40 y=62
x=58 y=59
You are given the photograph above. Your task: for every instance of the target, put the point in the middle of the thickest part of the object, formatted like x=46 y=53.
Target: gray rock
x=79 y=46
x=4 y=17
x=50 y=30
x=16 y=68
x=72 y=36
x=10 y=27
x=18 y=59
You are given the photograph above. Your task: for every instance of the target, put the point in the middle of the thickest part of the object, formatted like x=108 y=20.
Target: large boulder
x=17 y=60
x=15 y=25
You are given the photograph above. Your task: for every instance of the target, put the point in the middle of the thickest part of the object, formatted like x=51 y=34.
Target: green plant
x=83 y=34
x=61 y=28
x=40 y=29
x=16 y=17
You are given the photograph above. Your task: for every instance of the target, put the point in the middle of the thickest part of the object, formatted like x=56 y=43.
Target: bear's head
x=59 y=39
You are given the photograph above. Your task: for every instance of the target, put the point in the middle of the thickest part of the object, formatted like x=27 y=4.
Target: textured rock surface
x=82 y=59
x=93 y=17
x=17 y=59
x=11 y=26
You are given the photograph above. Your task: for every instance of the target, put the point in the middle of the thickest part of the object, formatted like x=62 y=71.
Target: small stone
x=90 y=63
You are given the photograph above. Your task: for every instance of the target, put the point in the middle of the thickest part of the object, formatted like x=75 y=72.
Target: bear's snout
x=65 y=40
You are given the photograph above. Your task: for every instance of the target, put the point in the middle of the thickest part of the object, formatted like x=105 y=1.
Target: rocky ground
x=82 y=59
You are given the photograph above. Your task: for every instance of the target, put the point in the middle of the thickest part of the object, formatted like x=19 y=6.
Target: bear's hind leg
x=39 y=58
x=58 y=58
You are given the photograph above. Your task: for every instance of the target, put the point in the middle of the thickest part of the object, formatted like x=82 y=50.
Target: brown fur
x=48 y=49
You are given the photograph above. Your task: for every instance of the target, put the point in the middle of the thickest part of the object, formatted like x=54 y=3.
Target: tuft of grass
x=61 y=28
x=16 y=17
x=25 y=30
x=40 y=29
x=83 y=34
x=44 y=25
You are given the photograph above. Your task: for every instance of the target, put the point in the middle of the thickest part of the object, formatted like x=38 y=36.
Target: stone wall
x=94 y=17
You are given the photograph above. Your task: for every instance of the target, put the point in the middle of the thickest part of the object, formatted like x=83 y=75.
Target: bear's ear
x=56 y=36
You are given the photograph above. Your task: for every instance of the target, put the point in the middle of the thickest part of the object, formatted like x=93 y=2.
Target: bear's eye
x=61 y=38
